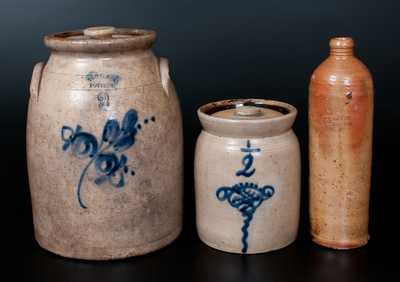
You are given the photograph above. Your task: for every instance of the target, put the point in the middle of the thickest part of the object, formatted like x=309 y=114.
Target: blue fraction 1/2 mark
x=246 y=197
x=247 y=161
x=109 y=161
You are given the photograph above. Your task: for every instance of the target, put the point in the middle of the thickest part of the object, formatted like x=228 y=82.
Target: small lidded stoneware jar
x=247 y=175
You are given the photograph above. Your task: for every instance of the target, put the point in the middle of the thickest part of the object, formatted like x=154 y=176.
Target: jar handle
x=35 y=82
x=164 y=73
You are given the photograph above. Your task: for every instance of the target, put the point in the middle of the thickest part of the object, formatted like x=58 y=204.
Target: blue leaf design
x=129 y=122
x=101 y=179
x=66 y=145
x=66 y=133
x=107 y=163
x=78 y=129
x=123 y=160
x=120 y=180
x=84 y=144
x=111 y=131
x=125 y=142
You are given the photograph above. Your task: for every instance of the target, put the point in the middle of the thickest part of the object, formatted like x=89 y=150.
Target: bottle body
x=105 y=152
x=340 y=136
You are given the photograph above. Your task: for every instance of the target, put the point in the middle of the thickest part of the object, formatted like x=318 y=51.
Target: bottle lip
x=101 y=39
x=341 y=43
x=256 y=127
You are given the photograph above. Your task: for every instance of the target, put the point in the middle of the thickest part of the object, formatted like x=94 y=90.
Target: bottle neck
x=341 y=47
x=341 y=52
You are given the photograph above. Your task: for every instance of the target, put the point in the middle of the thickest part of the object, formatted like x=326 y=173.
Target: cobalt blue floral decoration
x=109 y=161
x=246 y=197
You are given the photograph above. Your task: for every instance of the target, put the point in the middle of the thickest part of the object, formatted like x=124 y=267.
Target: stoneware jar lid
x=101 y=39
x=251 y=118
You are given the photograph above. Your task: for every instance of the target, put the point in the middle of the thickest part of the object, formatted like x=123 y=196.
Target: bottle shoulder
x=346 y=71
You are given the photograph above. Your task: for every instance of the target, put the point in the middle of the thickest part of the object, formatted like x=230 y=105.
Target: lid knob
x=99 y=31
x=248 y=111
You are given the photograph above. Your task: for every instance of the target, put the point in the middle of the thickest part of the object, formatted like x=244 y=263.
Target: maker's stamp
x=105 y=82
x=103 y=99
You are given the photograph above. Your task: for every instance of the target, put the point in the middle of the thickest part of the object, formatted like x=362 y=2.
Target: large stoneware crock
x=104 y=145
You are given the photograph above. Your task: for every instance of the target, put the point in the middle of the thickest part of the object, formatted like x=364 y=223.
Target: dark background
x=217 y=50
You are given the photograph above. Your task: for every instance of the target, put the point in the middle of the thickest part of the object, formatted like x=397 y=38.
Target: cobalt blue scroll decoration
x=109 y=161
x=246 y=197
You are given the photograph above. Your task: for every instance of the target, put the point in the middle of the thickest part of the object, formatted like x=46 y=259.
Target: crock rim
x=131 y=39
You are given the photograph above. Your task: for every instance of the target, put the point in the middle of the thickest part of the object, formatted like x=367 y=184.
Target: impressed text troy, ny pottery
x=340 y=119
x=104 y=145
x=247 y=176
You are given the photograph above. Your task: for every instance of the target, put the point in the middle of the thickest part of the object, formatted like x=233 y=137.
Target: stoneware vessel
x=104 y=145
x=247 y=176
x=340 y=129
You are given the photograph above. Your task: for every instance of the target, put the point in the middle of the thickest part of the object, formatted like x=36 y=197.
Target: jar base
x=250 y=252
x=106 y=253
x=338 y=245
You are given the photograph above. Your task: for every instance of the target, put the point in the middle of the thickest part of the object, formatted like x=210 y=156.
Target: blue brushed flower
x=82 y=144
x=111 y=169
x=110 y=164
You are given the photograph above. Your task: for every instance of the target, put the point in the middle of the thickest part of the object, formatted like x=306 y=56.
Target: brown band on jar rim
x=275 y=118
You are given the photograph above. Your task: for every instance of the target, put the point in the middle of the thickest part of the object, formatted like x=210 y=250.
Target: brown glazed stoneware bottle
x=104 y=145
x=340 y=131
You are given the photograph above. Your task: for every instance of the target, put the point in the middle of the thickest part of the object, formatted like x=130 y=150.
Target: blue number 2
x=247 y=162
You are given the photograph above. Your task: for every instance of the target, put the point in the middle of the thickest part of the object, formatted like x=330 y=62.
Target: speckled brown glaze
x=248 y=220
x=92 y=76
x=340 y=124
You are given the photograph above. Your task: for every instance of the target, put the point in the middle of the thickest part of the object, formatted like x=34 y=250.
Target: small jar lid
x=243 y=118
x=101 y=39
x=247 y=112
